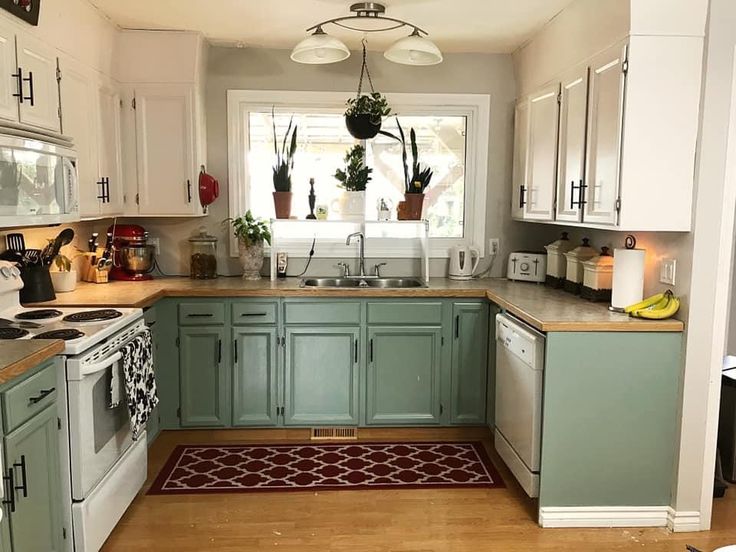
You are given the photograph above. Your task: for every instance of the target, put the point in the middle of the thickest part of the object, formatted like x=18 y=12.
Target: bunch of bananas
x=657 y=307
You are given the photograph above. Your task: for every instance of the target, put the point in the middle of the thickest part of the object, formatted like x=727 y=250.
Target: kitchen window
x=452 y=132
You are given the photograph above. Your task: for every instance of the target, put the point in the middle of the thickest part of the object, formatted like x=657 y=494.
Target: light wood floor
x=439 y=520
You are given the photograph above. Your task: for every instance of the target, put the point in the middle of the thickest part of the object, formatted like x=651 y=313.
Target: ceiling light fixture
x=369 y=17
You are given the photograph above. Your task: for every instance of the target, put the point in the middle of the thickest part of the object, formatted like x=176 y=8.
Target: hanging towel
x=115 y=389
x=140 y=381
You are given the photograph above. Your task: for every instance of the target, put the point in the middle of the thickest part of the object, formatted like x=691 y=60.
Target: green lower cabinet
x=403 y=379
x=469 y=363
x=32 y=454
x=205 y=377
x=5 y=542
x=254 y=377
x=321 y=376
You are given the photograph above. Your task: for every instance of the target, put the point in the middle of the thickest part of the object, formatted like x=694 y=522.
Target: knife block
x=90 y=272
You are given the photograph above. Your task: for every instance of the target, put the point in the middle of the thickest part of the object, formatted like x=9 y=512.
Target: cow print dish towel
x=140 y=381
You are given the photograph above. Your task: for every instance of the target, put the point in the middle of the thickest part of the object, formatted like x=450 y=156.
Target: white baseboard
x=604 y=516
x=683 y=522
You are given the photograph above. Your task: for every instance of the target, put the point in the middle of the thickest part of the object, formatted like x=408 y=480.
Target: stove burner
x=38 y=314
x=12 y=333
x=65 y=335
x=93 y=316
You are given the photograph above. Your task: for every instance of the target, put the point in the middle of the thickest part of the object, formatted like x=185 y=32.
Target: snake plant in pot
x=353 y=179
x=283 y=165
x=416 y=180
x=252 y=233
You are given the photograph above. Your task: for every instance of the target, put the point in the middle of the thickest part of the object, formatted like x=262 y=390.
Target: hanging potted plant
x=251 y=233
x=283 y=165
x=353 y=179
x=415 y=181
x=365 y=112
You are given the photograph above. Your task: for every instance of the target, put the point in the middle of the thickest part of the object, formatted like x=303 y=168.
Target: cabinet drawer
x=199 y=314
x=322 y=312
x=406 y=312
x=29 y=397
x=260 y=312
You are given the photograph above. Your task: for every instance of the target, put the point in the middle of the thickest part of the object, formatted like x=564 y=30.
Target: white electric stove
x=103 y=468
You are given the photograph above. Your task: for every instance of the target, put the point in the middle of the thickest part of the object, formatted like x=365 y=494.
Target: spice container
x=574 y=271
x=203 y=264
x=598 y=277
x=556 y=263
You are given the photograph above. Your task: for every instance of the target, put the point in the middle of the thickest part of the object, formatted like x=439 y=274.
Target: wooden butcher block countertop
x=546 y=309
x=17 y=357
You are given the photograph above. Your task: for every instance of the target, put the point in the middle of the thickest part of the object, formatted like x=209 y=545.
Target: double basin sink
x=367 y=282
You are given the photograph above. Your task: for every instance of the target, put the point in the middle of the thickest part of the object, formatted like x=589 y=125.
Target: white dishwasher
x=519 y=379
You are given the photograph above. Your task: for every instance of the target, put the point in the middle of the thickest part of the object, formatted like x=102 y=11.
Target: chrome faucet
x=361 y=244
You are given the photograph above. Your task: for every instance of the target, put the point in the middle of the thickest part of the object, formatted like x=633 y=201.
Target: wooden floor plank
x=432 y=520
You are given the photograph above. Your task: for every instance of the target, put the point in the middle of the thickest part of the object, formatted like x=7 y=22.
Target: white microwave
x=38 y=180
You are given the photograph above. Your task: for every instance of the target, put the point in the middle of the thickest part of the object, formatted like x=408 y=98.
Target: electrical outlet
x=667 y=270
x=156 y=243
x=493 y=246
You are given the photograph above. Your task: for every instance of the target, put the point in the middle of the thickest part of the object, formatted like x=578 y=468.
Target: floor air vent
x=335 y=433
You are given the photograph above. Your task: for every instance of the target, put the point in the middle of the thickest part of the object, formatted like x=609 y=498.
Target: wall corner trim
x=683 y=522
x=604 y=516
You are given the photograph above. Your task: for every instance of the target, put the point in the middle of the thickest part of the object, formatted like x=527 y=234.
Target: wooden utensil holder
x=90 y=272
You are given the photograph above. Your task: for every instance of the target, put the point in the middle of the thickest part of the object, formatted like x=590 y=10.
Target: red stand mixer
x=132 y=257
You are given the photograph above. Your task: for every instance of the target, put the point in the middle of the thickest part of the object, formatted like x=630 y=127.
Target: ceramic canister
x=574 y=271
x=598 y=277
x=556 y=263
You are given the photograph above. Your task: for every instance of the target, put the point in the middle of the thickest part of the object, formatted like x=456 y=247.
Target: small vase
x=282 y=204
x=64 y=281
x=414 y=205
x=352 y=206
x=251 y=259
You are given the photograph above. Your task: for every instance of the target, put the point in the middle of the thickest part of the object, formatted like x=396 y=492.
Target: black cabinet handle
x=254 y=314
x=29 y=80
x=24 y=485
x=457 y=326
x=371 y=350
x=219 y=351
x=522 y=196
x=355 y=346
x=582 y=193
x=9 y=489
x=101 y=184
x=200 y=315
x=573 y=187
x=19 y=78
x=189 y=191
x=41 y=396
x=107 y=189
x=235 y=350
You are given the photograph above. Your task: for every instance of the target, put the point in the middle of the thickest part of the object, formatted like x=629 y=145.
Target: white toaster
x=527 y=266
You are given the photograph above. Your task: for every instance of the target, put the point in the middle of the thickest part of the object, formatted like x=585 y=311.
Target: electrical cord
x=487 y=270
x=309 y=259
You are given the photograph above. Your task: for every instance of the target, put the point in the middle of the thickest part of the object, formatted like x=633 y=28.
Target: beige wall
x=265 y=69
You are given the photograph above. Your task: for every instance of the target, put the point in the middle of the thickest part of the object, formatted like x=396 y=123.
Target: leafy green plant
x=284 y=162
x=418 y=180
x=249 y=229
x=63 y=263
x=356 y=175
x=374 y=104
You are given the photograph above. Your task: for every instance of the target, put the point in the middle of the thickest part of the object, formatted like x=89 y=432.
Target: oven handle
x=90 y=369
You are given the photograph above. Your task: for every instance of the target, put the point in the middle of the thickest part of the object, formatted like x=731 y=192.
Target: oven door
x=99 y=435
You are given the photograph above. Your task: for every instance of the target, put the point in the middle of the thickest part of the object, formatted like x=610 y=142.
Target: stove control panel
x=10 y=280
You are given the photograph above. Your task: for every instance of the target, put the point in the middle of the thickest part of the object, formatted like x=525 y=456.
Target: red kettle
x=209 y=188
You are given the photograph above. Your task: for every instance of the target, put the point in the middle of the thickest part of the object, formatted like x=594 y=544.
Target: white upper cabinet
x=542 y=154
x=571 y=156
x=8 y=68
x=605 y=119
x=109 y=147
x=165 y=121
x=521 y=142
x=37 y=64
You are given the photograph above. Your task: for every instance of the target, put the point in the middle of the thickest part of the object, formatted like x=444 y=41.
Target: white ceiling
x=491 y=26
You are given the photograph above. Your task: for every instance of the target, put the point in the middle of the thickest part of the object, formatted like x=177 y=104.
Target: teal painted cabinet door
x=403 y=379
x=32 y=454
x=254 y=377
x=321 y=376
x=204 y=378
x=469 y=363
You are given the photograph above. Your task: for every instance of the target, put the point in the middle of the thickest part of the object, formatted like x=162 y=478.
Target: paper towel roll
x=628 y=277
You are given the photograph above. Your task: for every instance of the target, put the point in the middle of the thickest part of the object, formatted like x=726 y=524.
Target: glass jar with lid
x=203 y=260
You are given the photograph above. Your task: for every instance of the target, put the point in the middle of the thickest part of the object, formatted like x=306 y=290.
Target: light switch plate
x=667 y=271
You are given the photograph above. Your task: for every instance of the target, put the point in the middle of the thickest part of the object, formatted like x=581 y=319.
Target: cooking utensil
x=15 y=241
x=65 y=237
x=209 y=188
x=137 y=259
x=104 y=264
x=32 y=257
x=13 y=256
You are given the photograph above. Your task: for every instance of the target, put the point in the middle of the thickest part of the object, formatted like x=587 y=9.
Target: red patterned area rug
x=193 y=469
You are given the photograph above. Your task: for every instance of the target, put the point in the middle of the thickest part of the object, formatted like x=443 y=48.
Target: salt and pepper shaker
x=312 y=200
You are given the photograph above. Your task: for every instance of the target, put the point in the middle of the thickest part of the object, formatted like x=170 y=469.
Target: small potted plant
x=353 y=179
x=283 y=165
x=364 y=114
x=251 y=233
x=416 y=181
x=64 y=277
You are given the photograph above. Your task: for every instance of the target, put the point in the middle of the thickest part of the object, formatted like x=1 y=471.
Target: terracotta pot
x=251 y=259
x=362 y=126
x=282 y=204
x=414 y=204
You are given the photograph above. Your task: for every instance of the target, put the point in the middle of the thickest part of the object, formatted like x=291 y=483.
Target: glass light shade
x=414 y=50
x=320 y=48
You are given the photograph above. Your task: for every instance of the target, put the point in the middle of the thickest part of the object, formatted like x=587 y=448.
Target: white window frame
x=475 y=107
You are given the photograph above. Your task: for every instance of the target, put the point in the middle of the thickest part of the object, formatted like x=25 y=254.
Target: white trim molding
x=475 y=107
x=603 y=516
x=683 y=522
